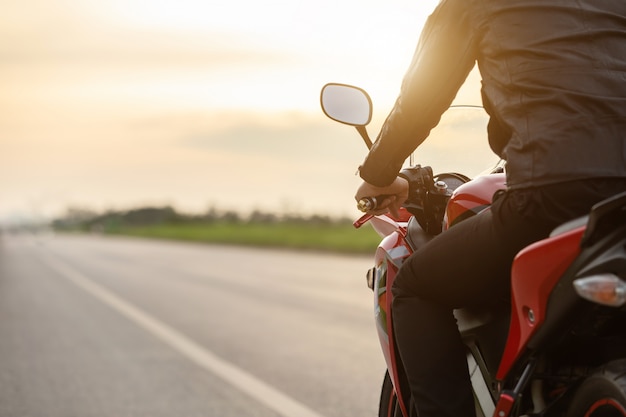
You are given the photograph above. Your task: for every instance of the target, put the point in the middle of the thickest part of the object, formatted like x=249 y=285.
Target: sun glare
x=78 y=68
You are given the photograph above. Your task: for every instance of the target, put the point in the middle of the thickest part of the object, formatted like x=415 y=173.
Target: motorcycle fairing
x=538 y=273
x=389 y=257
x=535 y=272
x=385 y=271
x=603 y=250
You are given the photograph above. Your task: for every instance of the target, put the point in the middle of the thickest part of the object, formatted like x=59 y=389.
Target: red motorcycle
x=560 y=350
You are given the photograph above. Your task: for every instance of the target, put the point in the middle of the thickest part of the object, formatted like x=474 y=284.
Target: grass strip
x=327 y=237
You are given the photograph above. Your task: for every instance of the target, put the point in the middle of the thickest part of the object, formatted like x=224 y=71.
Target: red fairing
x=535 y=272
x=472 y=197
x=390 y=253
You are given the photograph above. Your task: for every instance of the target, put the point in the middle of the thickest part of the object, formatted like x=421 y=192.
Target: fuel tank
x=472 y=197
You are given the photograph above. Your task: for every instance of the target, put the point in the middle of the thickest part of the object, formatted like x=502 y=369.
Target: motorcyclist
x=554 y=85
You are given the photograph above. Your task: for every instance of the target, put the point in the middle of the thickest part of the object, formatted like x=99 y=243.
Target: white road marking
x=245 y=382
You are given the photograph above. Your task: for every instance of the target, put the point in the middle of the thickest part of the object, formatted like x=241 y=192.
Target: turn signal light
x=606 y=289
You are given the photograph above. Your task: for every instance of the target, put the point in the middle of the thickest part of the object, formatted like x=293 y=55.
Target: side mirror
x=346 y=104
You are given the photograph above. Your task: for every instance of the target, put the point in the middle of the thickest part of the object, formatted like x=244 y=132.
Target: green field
x=340 y=237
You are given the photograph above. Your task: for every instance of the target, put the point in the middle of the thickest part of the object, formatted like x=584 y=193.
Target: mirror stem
x=363 y=132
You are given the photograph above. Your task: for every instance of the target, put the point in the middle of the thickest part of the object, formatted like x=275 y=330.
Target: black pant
x=469 y=265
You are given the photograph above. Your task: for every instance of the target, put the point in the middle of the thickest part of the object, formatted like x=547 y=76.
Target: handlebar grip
x=370 y=203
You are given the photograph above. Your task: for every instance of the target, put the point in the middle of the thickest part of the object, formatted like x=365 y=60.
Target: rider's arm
x=445 y=55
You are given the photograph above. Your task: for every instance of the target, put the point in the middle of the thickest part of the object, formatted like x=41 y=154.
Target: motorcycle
x=560 y=348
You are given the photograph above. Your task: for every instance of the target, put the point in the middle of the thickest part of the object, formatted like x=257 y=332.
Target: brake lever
x=362 y=220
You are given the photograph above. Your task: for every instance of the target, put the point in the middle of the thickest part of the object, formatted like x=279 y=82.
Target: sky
x=194 y=104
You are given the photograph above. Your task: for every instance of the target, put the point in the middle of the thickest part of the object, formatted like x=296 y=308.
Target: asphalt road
x=99 y=326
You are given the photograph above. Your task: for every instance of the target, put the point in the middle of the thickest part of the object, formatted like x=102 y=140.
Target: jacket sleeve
x=445 y=54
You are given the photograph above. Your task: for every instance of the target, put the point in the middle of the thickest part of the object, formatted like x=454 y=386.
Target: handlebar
x=426 y=201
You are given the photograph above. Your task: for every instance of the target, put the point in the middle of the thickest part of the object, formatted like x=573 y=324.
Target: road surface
x=113 y=327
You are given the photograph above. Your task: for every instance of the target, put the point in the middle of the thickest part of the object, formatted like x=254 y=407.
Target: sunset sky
x=196 y=104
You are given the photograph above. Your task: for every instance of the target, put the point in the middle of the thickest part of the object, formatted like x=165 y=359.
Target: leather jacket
x=553 y=83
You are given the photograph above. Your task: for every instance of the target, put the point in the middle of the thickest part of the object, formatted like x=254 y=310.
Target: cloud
x=275 y=135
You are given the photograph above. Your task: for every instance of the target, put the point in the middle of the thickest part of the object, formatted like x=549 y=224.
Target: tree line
x=87 y=220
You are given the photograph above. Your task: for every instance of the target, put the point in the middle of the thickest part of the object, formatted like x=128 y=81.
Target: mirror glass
x=346 y=104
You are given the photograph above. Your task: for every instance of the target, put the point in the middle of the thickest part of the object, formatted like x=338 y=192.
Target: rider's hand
x=397 y=192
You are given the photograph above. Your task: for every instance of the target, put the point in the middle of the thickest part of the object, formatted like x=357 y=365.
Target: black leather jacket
x=553 y=82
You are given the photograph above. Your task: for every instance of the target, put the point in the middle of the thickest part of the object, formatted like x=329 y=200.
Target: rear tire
x=603 y=394
x=388 y=405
